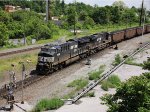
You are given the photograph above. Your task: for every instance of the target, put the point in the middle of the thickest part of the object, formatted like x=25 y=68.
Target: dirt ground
x=94 y=104
x=55 y=85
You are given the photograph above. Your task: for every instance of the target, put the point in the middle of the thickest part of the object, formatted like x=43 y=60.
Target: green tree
x=119 y=4
x=88 y=23
x=132 y=96
x=3 y=34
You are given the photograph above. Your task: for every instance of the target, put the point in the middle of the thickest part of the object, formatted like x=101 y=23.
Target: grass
x=96 y=74
x=90 y=94
x=46 y=104
x=117 y=60
x=131 y=61
x=146 y=64
x=5 y=64
x=112 y=82
x=78 y=84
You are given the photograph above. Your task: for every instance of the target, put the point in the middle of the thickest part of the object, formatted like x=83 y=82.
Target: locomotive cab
x=45 y=59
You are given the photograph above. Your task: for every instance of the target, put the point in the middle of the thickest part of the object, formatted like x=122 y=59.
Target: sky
x=129 y=3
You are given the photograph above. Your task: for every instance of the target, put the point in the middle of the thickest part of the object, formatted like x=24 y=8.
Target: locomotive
x=54 y=57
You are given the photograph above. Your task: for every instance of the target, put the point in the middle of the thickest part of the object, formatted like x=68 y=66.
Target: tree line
x=30 y=24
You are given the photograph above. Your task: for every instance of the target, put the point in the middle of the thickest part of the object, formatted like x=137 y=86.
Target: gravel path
x=55 y=85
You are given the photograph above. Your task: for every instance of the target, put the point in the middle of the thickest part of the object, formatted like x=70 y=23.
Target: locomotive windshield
x=48 y=50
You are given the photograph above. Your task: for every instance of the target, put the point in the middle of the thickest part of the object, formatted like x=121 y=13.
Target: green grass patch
x=131 y=61
x=78 y=84
x=112 y=82
x=5 y=64
x=146 y=64
x=96 y=74
x=46 y=104
x=117 y=60
x=90 y=94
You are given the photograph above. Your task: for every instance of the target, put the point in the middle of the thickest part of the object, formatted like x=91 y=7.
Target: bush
x=46 y=104
x=130 y=61
x=132 y=95
x=146 y=64
x=112 y=82
x=90 y=94
x=96 y=74
x=78 y=84
x=105 y=85
x=117 y=60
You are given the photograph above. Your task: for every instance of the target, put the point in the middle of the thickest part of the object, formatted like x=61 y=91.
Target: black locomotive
x=54 y=57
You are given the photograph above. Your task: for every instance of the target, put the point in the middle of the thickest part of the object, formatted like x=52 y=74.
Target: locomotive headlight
x=51 y=59
x=99 y=39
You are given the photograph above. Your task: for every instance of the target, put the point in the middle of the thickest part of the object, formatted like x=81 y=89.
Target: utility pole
x=141 y=15
x=75 y=18
x=47 y=10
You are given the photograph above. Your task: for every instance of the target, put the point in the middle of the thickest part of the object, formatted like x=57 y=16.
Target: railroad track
x=27 y=82
x=105 y=75
x=19 y=51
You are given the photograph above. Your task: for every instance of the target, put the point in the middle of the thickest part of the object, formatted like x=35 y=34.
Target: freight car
x=54 y=57
x=130 y=33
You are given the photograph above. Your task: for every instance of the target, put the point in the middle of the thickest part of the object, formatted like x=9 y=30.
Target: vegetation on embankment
x=5 y=63
x=89 y=19
x=46 y=104
x=112 y=81
x=132 y=95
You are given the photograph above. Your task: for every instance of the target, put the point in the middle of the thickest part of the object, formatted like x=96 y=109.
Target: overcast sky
x=136 y=3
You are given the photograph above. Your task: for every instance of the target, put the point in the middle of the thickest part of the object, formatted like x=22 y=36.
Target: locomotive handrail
x=105 y=75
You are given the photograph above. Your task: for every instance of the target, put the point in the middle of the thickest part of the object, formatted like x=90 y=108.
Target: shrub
x=96 y=74
x=78 y=84
x=105 y=85
x=112 y=82
x=146 y=65
x=91 y=94
x=117 y=60
x=132 y=95
x=46 y=104
x=130 y=61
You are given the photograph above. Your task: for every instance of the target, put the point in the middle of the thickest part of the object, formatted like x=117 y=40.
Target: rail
x=105 y=75
x=19 y=51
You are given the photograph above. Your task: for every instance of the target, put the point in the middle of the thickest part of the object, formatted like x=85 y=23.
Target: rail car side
x=54 y=57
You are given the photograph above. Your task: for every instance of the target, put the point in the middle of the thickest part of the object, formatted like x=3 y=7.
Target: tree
x=132 y=96
x=119 y=4
x=3 y=34
x=88 y=23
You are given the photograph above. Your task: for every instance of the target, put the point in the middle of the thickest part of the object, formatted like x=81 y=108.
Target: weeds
x=5 y=64
x=78 y=84
x=96 y=74
x=90 y=94
x=117 y=60
x=112 y=82
x=130 y=61
x=46 y=104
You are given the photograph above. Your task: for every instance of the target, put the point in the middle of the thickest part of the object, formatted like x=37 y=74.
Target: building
x=10 y=8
